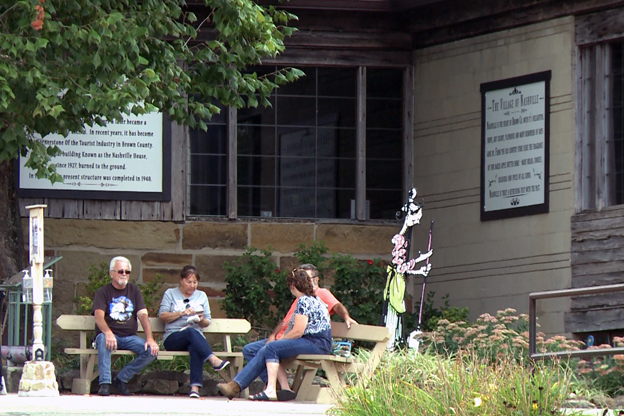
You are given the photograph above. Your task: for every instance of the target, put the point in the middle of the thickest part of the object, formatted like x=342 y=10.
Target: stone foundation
x=38 y=380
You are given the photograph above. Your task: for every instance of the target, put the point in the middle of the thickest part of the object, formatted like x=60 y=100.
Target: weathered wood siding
x=597 y=226
x=597 y=247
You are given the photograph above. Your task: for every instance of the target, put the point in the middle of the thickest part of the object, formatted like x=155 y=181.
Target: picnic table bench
x=88 y=356
x=337 y=367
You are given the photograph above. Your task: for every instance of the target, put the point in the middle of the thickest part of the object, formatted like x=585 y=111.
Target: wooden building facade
x=392 y=99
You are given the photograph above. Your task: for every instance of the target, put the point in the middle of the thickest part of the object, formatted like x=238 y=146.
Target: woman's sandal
x=221 y=366
x=262 y=397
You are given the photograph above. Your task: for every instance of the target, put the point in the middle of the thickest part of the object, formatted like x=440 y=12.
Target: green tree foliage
x=70 y=63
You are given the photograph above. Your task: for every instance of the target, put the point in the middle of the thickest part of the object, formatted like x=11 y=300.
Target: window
x=617 y=146
x=299 y=158
x=601 y=137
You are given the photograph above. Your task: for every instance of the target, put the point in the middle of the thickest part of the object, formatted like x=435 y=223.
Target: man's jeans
x=133 y=343
x=274 y=352
x=195 y=343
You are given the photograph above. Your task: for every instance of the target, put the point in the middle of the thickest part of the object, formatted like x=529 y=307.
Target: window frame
x=360 y=191
x=594 y=181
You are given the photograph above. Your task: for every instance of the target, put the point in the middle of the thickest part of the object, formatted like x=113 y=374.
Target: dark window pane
x=297 y=203
x=208 y=200
x=345 y=173
x=305 y=85
x=296 y=111
x=384 y=114
x=336 y=112
x=336 y=142
x=384 y=83
x=255 y=140
x=337 y=82
x=616 y=174
x=384 y=144
x=297 y=171
x=384 y=204
x=259 y=115
x=254 y=170
x=208 y=170
x=383 y=174
x=297 y=141
x=212 y=141
x=334 y=203
x=256 y=201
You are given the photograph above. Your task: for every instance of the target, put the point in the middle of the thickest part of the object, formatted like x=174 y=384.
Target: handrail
x=561 y=293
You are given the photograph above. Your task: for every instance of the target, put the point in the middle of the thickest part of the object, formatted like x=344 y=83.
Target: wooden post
x=38 y=376
x=35 y=233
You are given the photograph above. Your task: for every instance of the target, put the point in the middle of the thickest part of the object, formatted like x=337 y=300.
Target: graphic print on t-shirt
x=121 y=309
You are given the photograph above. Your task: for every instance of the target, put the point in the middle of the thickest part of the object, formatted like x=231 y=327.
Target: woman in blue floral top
x=309 y=332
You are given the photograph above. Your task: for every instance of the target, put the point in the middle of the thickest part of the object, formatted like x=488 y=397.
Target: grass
x=462 y=385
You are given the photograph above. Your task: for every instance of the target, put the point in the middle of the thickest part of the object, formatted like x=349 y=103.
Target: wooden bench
x=336 y=367
x=88 y=356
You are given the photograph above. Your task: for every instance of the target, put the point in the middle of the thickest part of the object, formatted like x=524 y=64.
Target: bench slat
x=360 y=332
x=217 y=326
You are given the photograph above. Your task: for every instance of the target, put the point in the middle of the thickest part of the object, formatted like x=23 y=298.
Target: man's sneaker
x=3 y=391
x=122 y=388
x=104 y=390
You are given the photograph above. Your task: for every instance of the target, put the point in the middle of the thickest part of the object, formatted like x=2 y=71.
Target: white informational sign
x=123 y=156
x=515 y=148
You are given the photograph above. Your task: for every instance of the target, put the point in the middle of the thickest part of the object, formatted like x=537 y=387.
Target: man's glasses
x=187 y=303
x=123 y=272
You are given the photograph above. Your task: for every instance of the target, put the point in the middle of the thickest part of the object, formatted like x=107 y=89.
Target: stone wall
x=165 y=247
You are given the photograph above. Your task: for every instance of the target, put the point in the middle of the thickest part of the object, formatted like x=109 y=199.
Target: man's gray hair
x=119 y=258
x=310 y=267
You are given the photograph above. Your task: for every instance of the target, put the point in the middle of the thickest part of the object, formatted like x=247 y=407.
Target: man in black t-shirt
x=116 y=307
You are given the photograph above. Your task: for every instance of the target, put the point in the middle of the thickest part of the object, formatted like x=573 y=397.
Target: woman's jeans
x=250 y=351
x=195 y=343
x=133 y=343
x=274 y=352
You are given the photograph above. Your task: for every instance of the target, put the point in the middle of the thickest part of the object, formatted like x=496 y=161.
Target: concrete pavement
x=76 y=405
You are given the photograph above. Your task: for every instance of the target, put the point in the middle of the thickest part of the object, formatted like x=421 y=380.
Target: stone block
x=63 y=297
x=177 y=376
x=109 y=234
x=172 y=275
x=284 y=238
x=288 y=263
x=74 y=266
x=357 y=239
x=215 y=309
x=166 y=259
x=12 y=377
x=160 y=386
x=199 y=235
x=212 y=293
x=211 y=269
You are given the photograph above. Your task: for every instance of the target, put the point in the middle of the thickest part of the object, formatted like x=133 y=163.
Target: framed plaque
x=515 y=120
x=127 y=160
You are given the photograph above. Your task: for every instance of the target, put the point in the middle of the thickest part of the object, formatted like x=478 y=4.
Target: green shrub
x=256 y=289
x=316 y=255
x=359 y=285
x=253 y=282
